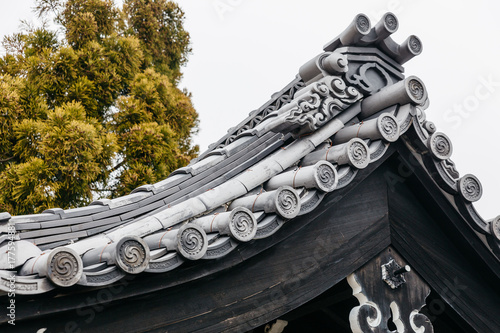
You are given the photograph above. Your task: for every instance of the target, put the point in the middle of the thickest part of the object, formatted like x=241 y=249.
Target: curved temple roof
x=342 y=111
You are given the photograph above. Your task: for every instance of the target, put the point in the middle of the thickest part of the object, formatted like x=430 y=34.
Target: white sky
x=245 y=50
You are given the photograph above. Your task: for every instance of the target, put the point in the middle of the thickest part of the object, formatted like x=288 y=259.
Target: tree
x=94 y=109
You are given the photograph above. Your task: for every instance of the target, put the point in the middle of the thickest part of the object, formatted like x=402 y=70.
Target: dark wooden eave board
x=420 y=234
x=458 y=227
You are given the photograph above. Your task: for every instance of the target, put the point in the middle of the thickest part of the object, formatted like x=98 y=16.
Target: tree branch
x=119 y=165
x=7 y=159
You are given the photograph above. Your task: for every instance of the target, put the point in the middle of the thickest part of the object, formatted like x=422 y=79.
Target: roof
x=341 y=113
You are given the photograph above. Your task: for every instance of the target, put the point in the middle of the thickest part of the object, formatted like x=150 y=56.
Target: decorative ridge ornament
x=354 y=152
x=319 y=102
x=284 y=201
x=415 y=44
x=242 y=225
x=390 y=22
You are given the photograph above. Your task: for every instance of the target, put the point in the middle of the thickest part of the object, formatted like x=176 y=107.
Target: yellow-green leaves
x=65 y=153
x=28 y=188
x=94 y=109
x=153 y=124
x=159 y=26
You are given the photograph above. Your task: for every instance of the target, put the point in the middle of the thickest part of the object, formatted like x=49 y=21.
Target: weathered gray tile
x=27 y=226
x=122 y=201
x=159 y=196
x=82 y=211
x=44 y=232
x=55 y=238
x=64 y=222
x=54 y=245
x=103 y=228
x=115 y=211
x=34 y=218
x=93 y=224
x=4 y=217
x=142 y=210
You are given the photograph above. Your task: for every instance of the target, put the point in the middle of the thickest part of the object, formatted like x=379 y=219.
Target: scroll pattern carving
x=220 y=251
x=64 y=267
x=327 y=177
x=378 y=301
x=391 y=22
x=450 y=167
x=363 y=23
x=311 y=201
x=287 y=202
x=346 y=178
x=325 y=100
x=495 y=228
x=358 y=154
x=429 y=126
x=405 y=124
x=416 y=89
x=243 y=226
x=388 y=127
x=269 y=228
x=377 y=149
x=165 y=263
x=132 y=255
x=192 y=242
x=415 y=44
x=105 y=278
x=440 y=146
x=362 y=80
x=470 y=188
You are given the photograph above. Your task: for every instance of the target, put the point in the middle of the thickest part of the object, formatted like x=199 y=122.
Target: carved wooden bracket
x=387 y=290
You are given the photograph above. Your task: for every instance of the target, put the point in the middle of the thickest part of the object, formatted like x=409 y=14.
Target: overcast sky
x=245 y=50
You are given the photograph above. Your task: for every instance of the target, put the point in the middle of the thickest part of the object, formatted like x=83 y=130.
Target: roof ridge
x=341 y=113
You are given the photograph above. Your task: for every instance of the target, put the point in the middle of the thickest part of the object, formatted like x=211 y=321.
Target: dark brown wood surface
x=444 y=251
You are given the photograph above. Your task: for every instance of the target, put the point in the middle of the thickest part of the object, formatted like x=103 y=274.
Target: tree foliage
x=94 y=107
